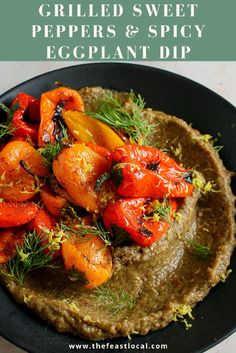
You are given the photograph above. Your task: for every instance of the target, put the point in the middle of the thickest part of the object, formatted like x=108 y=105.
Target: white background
x=218 y=76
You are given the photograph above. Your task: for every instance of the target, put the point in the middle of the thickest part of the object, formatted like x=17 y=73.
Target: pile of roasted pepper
x=133 y=190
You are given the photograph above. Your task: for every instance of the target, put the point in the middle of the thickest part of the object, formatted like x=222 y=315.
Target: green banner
x=118 y=30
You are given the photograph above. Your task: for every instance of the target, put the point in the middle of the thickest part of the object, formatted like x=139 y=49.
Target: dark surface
x=215 y=317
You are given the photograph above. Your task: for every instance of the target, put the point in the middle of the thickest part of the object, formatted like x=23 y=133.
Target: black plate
x=215 y=317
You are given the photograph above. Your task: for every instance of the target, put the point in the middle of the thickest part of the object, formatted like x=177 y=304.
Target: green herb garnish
x=115 y=301
x=30 y=256
x=199 y=250
x=6 y=129
x=81 y=230
x=218 y=148
x=112 y=112
x=51 y=150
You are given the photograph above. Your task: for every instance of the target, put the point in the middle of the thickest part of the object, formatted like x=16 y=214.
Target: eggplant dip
x=115 y=219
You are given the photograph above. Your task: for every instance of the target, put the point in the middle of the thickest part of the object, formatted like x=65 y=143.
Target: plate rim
x=137 y=66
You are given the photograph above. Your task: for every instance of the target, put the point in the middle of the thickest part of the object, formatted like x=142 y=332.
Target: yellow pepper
x=87 y=129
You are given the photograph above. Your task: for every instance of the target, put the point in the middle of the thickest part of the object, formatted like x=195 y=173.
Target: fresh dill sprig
x=6 y=129
x=30 y=256
x=81 y=230
x=199 y=250
x=51 y=150
x=113 y=113
x=5 y=109
x=137 y=99
x=115 y=301
x=218 y=148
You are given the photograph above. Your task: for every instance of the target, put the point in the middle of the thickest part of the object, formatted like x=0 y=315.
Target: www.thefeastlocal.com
x=121 y=346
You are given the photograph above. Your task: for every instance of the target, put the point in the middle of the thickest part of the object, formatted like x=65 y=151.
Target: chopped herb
x=112 y=112
x=115 y=301
x=29 y=256
x=199 y=250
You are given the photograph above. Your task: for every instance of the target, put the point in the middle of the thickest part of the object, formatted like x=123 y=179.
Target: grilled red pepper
x=140 y=171
x=134 y=217
x=30 y=106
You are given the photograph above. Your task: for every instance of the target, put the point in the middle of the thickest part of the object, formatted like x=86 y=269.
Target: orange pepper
x=9 y=239
x=77 y=168
x=16 y=184
x=51 y=116
x=89 y=257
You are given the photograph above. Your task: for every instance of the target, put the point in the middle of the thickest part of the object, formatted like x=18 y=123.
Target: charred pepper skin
x=51 y=105
x=128 y=215
x=141 y=171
